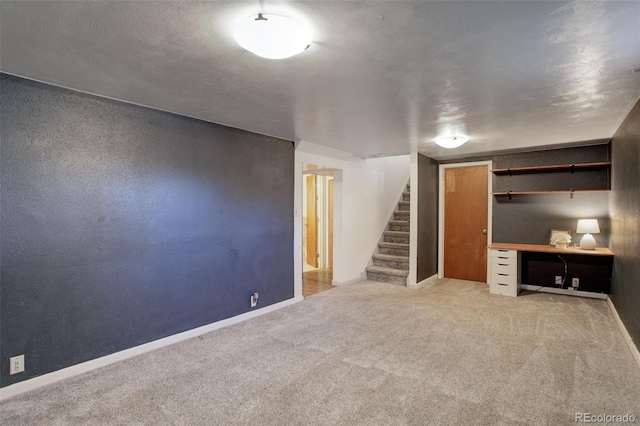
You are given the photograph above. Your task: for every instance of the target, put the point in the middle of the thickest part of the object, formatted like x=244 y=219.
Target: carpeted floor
x=370 y=353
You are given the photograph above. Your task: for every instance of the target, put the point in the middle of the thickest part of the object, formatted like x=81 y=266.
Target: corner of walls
x=625 y=221
x=412 y=279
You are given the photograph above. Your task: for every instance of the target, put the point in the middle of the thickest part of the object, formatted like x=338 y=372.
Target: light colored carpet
x=370 y=353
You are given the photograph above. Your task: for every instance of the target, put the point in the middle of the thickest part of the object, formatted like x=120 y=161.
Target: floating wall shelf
x=548 y=192
x=552 y=168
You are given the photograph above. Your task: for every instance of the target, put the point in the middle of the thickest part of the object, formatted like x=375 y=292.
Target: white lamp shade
x=271 y=36
x=588 y=226
x=451 y=142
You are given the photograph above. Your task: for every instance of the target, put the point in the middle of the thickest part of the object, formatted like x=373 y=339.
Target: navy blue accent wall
x=121 y=225
x=427 y=264
x=625 y=222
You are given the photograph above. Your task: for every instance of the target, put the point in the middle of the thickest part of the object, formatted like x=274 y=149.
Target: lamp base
x=588 y=242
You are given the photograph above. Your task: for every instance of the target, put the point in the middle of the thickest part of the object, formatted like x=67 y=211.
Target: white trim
x=442 y=168
x=337 y=165
x=564 y=291
x=75 y=370
x=625 y=334
x=427 y=282
x=412 y=278
x=348 y=282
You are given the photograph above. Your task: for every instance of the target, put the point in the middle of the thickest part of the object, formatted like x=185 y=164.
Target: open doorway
x=317 y=232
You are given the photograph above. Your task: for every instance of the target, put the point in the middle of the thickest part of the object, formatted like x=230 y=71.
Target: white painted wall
x=371 y=190
x=366 y=191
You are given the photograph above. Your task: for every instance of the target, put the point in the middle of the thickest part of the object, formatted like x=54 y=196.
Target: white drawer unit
x=503 y=272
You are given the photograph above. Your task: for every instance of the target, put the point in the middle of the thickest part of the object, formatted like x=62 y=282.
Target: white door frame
x=442 y=168
x=337 y=166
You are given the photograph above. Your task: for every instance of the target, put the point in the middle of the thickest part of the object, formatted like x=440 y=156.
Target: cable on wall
x=564 y=278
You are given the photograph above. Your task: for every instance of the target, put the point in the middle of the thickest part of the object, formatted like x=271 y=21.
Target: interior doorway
x=465 y=220
x=317 y=232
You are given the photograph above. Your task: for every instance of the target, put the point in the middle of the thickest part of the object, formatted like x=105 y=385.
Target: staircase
x=391 y=263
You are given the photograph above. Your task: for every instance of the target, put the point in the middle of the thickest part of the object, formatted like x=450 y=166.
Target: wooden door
x=330 y=266
x=312 y=221
x=466 y=223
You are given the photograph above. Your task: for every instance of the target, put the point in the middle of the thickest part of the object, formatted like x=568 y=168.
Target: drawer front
x=509 y=279
x=499 y=260
x=504 y=254
x=505 y=285
x=505 y=268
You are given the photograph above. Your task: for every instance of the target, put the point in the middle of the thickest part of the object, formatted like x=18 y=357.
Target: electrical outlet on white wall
x=16 y=364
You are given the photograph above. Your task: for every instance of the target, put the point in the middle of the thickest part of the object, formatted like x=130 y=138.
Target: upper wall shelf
x=569 y=191
x=556 y=167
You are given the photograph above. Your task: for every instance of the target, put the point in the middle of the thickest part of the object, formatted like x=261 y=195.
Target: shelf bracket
x=509 y=194
x=572 y=191
x=509 y=170
x=573 y=169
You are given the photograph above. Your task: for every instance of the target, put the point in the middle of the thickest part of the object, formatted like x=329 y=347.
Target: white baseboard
x=346 y=282
x=74 y=370
x=566 y=292
x=424 y=283
x=627 y=337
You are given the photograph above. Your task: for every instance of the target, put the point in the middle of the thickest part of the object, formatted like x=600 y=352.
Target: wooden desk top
x=599 y=251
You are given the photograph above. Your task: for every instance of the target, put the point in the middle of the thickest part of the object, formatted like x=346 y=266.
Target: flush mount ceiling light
x=451 y=142
x=271 y=36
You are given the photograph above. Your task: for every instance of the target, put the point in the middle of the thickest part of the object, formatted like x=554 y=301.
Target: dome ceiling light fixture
x=451 y=142
x=271 y=36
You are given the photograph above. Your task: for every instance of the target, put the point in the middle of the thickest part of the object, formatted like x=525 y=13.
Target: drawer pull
x=502 y=257
x=504 y=275
x=503 y=264
x=506 y=285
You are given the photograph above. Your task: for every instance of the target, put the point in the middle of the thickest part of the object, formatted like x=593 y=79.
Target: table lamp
x=588 y=227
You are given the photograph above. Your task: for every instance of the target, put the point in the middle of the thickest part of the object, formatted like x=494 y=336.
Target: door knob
x=484 y=231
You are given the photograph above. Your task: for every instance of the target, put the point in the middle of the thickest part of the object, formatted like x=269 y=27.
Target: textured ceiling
x=382 y=77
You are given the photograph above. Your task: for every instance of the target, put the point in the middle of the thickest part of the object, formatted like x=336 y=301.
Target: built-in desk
x=511 y=267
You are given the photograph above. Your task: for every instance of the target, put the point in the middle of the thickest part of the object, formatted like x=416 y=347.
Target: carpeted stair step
x=387 y=275
x=401 y=215
x=396 y=237
x=395 y=249
x=391 y=261
x=399 y=225
x=404 y=205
